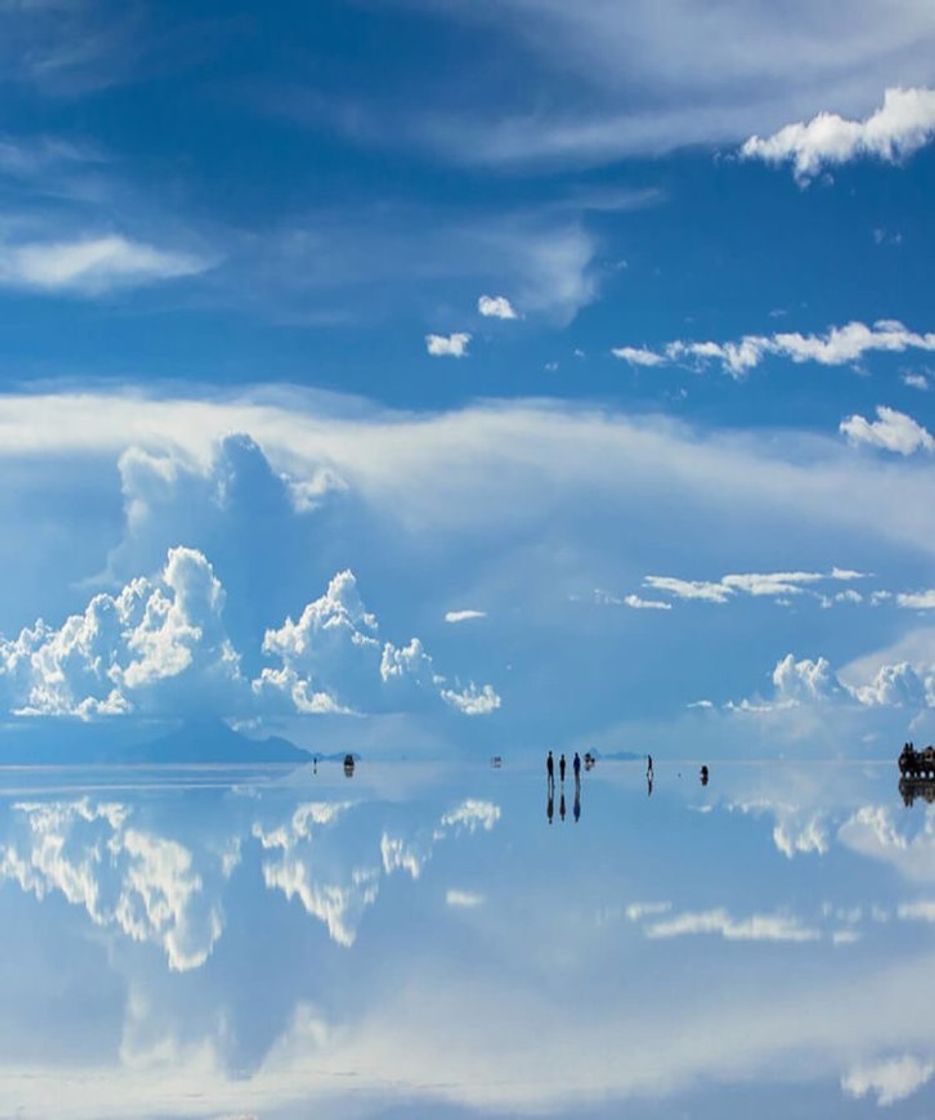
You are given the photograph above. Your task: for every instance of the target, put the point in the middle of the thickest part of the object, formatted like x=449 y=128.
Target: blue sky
x=244 y=252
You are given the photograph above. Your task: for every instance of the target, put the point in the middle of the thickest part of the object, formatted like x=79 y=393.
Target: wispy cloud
x=93 y=266
x=464 y=616
x=889 y=1081
x=838 y=346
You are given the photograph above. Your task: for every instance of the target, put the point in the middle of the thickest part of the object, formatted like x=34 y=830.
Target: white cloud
x=472 y=701
x=639 y=604
x=805 y=680
x=464 y=900
x=472 y=814
x=892 y=430
x=838 y=346
x=916 y=381
x=448 y=346
x=917 y=600
x=771 y=583
x=93 y=266
x=126 y=878
x=919 y=911
x=757 y=927
x=128 y=651
x=638 y=356
x=905 y=123
x=890 y=1081
x=464 y=616
x=496 y=307
x=689 y=589
x=333 y=660
x=637 y=911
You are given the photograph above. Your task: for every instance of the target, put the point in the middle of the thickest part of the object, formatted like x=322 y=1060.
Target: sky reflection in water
x=421 y=941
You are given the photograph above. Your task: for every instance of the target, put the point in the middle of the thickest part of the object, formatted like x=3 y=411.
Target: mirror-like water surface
x=426 y=941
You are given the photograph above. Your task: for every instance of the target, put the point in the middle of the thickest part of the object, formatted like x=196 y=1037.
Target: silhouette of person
x=577 y=806
x=561 y=806
x=576 y=766
x=561 y=768
x=550 y=805
x=550 y=767
x=704 y=775
x=649 y=764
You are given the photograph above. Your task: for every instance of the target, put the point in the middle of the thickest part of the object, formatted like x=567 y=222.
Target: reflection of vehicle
x=917 y=764
x=911 y=788
x=349 y=766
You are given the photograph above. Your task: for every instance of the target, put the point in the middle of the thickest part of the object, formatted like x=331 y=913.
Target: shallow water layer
x=449 y=941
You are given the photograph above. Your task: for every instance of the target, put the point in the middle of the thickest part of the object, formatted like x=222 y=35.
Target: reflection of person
x=649 y=764
x=577 y=807
x=649 y=783
x=561 y=768
x=576 y=766
x=550 y=767
x=561 y=806
x=550 y=806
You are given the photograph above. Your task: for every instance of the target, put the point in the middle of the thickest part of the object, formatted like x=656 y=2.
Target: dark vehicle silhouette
x=349 y=766
x=917 y=764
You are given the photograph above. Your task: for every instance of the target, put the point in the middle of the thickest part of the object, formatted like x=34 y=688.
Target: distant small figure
x=315 y=764
x=649 y=764
x=550 y=768
x=589 y=760
x=576 y=766
x=550 y=805
x=577 y=806
x=561 y=768
x=561 y=806
x=349 y=766
x=496 y=762
x=704 y=775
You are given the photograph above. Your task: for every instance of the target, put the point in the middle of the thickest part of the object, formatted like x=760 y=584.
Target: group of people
x=550 y=774
x=550 y=768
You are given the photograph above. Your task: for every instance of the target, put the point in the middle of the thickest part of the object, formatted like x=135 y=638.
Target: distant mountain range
x=202 y=742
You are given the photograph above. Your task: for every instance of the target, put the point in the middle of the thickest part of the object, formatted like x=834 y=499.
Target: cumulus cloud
x=892 y=430
x=496 y=307
x=916 y=381
x=93 y=266
x=333 y=660
x=805 y=680
x=153 y=644
x=472 y=701
x=448 y=346
x=889 y=1081
x=843 y=345
x=463 y=616
x=125 y=877
x=905 y=123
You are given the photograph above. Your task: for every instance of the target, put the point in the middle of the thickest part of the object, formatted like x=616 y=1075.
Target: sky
x=427 y=375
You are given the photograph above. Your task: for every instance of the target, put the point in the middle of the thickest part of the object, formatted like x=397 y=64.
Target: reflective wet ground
x=419 y=941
